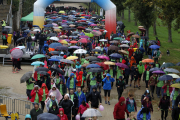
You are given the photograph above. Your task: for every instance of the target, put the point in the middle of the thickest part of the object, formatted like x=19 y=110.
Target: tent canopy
x=29 y=17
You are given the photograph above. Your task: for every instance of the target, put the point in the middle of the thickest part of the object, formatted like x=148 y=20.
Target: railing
x=9 y=12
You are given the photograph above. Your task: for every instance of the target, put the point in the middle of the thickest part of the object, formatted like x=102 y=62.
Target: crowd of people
x=74 y=62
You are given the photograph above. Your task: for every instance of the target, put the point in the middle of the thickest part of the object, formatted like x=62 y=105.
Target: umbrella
x=57 y=70
x=130 y=34
x=178 y=64
x=122 y=65
x=43 y=73
x=122 y=52
x=102 y=40
x=93 y=66
x=158 y=72
x=125 y=41
x=54 y=45
x=91 y=112
x=94 y=59
x=96 y=50
x=13 y=49
x=55 y=52
x=153 y=42
x=17 y=53
x=84 y=65
x=109 y=63
x=91 y=57
x=80 y=51
x=165 y=77
x=176 y=85
x=154 y=47
x=72 y=58
x=124 y=45
x=144 y=37
x=103 y=57
x=113 y=47
x=84 y=40
x=20 y=47
x=54 y=60
x=148 y=61
x=19 y=39
x=73 y=41
x=142 y=29
x=114 y=41
x=96 y=70
x=116 y=55
x=84 y=36
x=177 y=80
x=67 y=61
x=41 y=69
x=38 y=56
x=104 y=66
x=167 y=65
x=54 y=38
x=24 y=28
x=155 y=69
x=51 y=34
x=174 y=75
x=26 y=77
x=37 y=63
x=74 y=47
x=47 y=116
x=172 y=70
x=61 y=48
x=136 y=36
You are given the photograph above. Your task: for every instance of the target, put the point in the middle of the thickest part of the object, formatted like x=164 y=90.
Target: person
x=152 y=82
x=176 y=112
x=67 y=104
x=51 y=101
x=80 y=81
x=61 y=114
x=94 y=98
x=4 y=37
x=146 y=94
x=107 y=87
x=132 y=60
x=120 y=109
x=80 y=95
x=62 y=87
x=131 y=103
x=83 y=107
x=73 y=97
x=174 y=95
x=54 y=109
x=144 y=114
x=86 y=93
x=167 y=89
x=28 y=117
x=146 y=76
x=121 y=86
x=71 y=82
x=159 y=86
x=99 y=81
x=45 y=92
x=42 y=38
x=147 y=103
x=164 y=105
x=35 y=111
x=136 y=74
x=68 y=70
x=56 y=92
x=30 y=86
x=36 y=95
x=28 y=41
x=141 y=71
x=3 y=22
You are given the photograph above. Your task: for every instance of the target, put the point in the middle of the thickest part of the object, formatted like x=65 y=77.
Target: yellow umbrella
x=61 y=11
x=109 y=63
x=72 y=58
x=82 y=17
x=63 y=42
x=57 y=30
x=176 y=85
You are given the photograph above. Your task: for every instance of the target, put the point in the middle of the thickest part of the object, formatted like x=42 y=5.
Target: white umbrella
x=124 y=45
x=105 y=31
x=125 y=41
x=37 y=30
x=174 y=75
x=21 y=47
x=98 y=47
x=91 y=113
x=102 y=40
x=80 y=51
x=7 y=27
x=54 y=38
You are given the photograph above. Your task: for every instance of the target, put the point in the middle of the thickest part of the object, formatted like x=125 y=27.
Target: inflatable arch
x=107 y=5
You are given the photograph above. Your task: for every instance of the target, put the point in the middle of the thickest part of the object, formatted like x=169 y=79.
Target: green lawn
x=162 y=32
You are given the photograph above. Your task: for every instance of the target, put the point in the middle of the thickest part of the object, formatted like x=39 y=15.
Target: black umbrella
x=47 y=116
x=94 y=62
x=154 y=69
x=43 y=73
x=55 y=52
x=57 y=70
x=165 y=77
x=94 y=59
x=61 y=48
x=95 y=70
x=96 y=50
x=67 y=61
x=26 y=76
x=90 y=57
x=51 y=34
x=41 y=69
x=20 y=39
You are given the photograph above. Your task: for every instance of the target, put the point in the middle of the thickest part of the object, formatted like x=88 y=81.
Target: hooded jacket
x=140 y=115
x=140 y=68
x=68 y=81
x=67 y=106
x=148 y=105
x=68 y=70
x=107 y=83
x=132 y=61
x=152 y=81
x=119 y=109
x=46 y=89
x=34 y=113
x=164 y=103
x=95 y=98
x=79 y=79
x=51 y=110
x=165 y=89
x=33 y=95
x=64 y=116
x=175 y=113
x=83 y=108
x=28 y=116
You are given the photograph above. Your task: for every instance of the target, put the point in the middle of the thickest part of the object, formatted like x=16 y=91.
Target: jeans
x=99 y=86
x=28 y=46
x=3 y=26
x=40 y=49
x=120 y=91
x=173 y=103
x=152 y=87
x=126 y=77
x=158 y=90
x=92 y=86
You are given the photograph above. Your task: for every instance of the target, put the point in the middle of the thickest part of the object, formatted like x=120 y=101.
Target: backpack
x=4 y=37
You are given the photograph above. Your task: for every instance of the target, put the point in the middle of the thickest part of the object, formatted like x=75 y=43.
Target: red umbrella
x=103 y=20
x=81 y=28
x=53 y=17
x=54 y=12
x=48 y=12
x=73 y=41
x=83 y=14
x=84 y=40
x=13 y=49
x=104 y=66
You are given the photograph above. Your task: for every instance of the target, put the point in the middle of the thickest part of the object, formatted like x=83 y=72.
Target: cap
x=147 y=91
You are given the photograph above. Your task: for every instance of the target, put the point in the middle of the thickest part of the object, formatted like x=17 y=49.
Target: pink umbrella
x=64 y=20
x=93 y=25
x=84 y=40
x=103 y=57
x=99 y=33
x=54 y=24
x=83 y=36
x=94 y=30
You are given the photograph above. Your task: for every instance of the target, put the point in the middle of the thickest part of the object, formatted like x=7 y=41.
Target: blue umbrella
x=47 y=116
x=27 y=31
x=165 y=77
x=37 y=63
x=154 y=47
x=54 y=45
x=90 y=23
x=93 y=66
x=35 y=26
x=54 y=60
x=83 y=19
x=177 y=80
x=116 y=55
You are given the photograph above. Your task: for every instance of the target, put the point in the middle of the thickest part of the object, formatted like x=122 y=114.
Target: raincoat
x=33 y=95
x=68 y=81
x=64 y=116
x=56 y=93
x=46 y=89
x=28 y=116
x=107 y=83
x=79 y=79
x=132 y=61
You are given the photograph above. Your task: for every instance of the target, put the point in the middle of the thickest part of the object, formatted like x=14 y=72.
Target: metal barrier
x=22 y=107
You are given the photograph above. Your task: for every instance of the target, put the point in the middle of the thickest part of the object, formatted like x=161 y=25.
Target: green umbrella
x=59 y=27
x=165 y=65
x=38 y=56
x=89 y=34
x=70 y=22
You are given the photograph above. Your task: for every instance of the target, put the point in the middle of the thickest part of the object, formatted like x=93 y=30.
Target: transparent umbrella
x=91 y=113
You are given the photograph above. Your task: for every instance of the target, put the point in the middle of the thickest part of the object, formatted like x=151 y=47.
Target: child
x=83 y=107
x=61 y=114
x=120 y=84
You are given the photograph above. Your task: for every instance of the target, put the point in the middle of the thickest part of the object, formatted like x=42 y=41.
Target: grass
x=162 y=34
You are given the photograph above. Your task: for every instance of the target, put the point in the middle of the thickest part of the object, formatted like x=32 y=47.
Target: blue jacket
x=140 y=116
x=80 y=98
x=107 y=83
x=28 y=116
x=68 y=81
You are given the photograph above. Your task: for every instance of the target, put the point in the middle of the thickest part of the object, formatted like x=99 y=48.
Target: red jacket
x=64 y=116
x=46 y=89
x=33 y=95
x=79 y=79
x=83 y=108
x=130 y=52
x=165 y=89
x=119 y=110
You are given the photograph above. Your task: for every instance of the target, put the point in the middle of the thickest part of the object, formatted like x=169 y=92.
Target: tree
x=128 y=5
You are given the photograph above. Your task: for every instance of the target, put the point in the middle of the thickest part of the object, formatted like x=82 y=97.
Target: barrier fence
x=22 y=107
